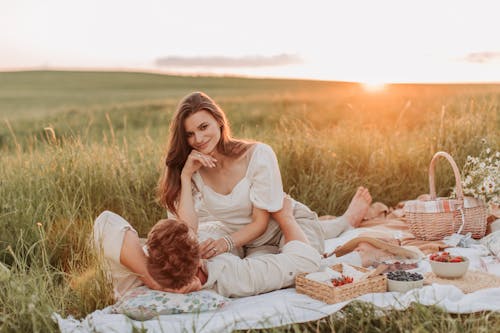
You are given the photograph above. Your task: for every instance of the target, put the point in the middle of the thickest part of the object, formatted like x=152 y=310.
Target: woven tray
x=470 y=282
x=330 y=294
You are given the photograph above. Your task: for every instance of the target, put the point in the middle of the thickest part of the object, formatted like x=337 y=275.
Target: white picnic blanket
x=286 y=306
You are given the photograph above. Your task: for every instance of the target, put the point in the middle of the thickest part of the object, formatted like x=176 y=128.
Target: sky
x=373 y=41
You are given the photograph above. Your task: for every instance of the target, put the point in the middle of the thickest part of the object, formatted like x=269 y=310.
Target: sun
x=373 y=86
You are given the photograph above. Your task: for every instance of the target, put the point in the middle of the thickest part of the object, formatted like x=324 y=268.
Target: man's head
x=174 y=255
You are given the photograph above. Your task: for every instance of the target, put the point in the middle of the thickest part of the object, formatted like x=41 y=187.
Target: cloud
x=482 y=57
x=222 y=61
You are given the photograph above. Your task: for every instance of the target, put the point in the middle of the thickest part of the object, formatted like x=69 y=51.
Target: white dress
x=260 y=187
x=219 y=214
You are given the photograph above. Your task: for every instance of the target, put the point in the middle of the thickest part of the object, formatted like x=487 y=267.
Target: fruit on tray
x=342 y=280
x=400 y=264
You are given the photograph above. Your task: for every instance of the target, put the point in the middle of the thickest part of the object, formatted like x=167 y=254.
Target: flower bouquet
x=481 y=177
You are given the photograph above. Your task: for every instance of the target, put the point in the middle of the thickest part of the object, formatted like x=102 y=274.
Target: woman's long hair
x=169 y=186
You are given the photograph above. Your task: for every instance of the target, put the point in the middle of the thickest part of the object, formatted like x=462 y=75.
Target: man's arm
x=132 y=256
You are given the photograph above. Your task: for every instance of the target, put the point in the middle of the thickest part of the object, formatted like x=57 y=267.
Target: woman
x=211 y=176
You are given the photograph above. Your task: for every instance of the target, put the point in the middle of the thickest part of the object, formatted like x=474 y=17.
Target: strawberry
x=445 y=257
x=342 y=280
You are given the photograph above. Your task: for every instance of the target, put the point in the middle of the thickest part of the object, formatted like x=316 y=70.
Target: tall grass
x=58 y=171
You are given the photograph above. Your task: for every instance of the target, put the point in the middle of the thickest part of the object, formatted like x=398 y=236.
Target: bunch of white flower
x=481 y=176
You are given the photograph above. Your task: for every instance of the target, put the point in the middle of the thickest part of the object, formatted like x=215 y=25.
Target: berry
x=404 y=276
x=342 y=280
x=445 y=257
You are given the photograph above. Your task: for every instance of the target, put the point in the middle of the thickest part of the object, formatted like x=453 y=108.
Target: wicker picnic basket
x=437 y=218
x=330 y=294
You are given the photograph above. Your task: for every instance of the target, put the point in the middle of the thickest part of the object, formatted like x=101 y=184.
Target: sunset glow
x=386 y=41
x=373 y=86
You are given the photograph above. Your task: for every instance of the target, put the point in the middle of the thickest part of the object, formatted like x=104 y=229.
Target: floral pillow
x=143 y=303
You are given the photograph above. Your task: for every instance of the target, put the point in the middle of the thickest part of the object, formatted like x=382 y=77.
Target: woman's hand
x=195 y=161
x=210 y=248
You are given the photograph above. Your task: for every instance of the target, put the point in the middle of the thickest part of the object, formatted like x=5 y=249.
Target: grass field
x=75 y=143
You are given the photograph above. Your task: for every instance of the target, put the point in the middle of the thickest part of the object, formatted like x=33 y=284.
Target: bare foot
x=370 y=255
x=358 y=207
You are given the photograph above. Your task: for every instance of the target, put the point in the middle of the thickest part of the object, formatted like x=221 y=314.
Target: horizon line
x=224 y=75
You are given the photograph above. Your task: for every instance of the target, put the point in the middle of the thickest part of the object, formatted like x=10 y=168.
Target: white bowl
x=403 y=286
x=450 y=270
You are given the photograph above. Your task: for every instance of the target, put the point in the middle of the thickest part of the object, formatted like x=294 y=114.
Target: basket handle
x=458 y=183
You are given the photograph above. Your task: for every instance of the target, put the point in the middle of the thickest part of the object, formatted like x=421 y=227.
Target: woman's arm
x=248 y=233
x=260 y=220
x=185 y=207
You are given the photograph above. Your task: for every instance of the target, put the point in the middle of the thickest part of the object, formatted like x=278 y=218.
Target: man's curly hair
x=173 y=254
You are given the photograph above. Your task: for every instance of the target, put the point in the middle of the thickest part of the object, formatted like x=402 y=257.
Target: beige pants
x=231 y=276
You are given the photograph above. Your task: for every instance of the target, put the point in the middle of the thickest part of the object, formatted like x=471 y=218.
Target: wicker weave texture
x=469 y=283
x=330 y=294
x=438 y=224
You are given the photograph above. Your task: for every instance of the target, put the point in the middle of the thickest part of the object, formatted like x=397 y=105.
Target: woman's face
x=202 y=132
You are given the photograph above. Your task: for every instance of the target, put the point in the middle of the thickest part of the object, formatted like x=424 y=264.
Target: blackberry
x=404 y=276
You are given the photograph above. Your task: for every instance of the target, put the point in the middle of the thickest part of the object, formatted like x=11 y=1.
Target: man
x=226 y=273
x=174 y=262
